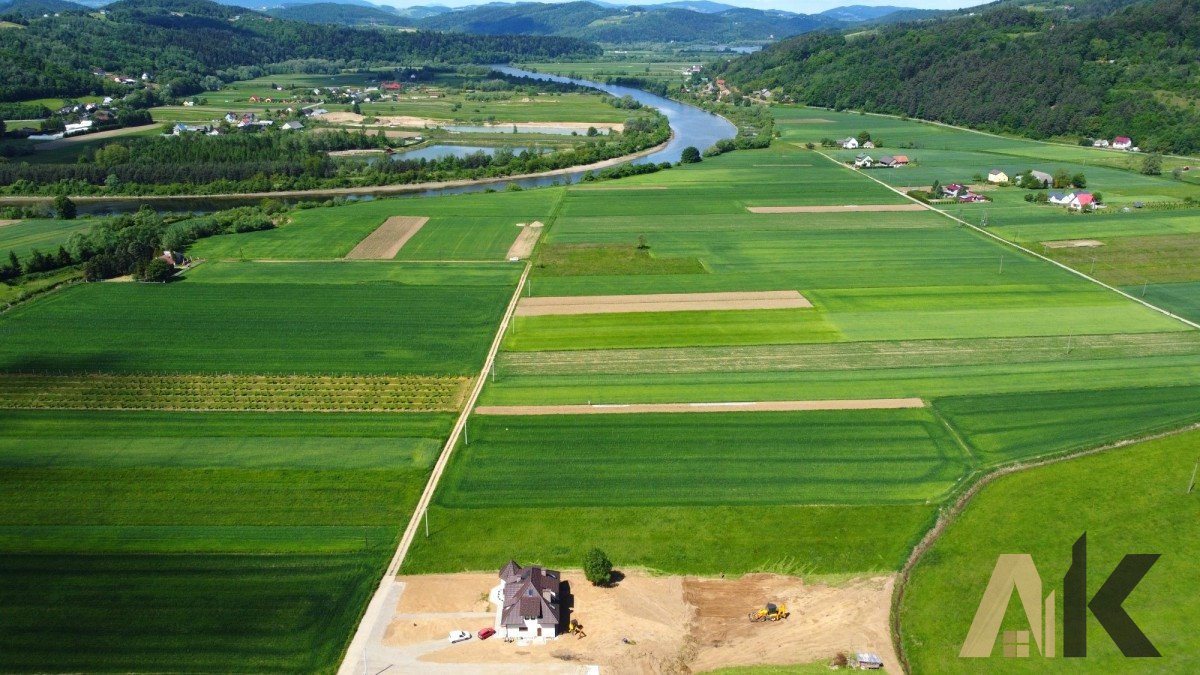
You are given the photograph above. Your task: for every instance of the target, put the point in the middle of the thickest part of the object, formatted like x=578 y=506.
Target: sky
x=798 y=6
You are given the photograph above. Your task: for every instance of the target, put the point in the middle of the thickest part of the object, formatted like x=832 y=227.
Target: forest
x=1131 y=73
x=171 y=39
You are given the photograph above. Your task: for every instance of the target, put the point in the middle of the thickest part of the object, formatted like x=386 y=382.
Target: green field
x=1016 y=358
x=460 y=227
x=1130 y=500
x=341 y=318
x=44 y=235
x=198 y=542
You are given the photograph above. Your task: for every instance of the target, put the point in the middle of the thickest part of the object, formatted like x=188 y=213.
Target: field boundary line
x=950 y=514
x=702 y=407
x=954 y=432
x=375 y=608
x=1019 y=247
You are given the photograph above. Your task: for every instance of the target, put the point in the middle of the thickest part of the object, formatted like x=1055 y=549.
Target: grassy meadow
x=1129 y=500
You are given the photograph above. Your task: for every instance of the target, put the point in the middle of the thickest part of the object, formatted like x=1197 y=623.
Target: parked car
x=459 y=636
x=485 y=633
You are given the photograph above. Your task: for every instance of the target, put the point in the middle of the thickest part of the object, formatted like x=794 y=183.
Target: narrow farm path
x=1006 y=242
x=376 y=608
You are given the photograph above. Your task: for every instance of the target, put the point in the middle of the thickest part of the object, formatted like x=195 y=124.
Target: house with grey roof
x=527 y=601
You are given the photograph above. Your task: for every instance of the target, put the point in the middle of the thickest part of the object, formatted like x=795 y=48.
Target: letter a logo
x=1013 y=570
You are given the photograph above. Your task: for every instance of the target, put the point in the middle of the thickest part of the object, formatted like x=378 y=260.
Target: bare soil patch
x=810 y=120
x=660 y=302
x=1073 y=243
x=675 y=624
x=465 y=592
x=835 y=209
x=733 y=406
x=522 y=248
x=387 y=239
x=8 y=222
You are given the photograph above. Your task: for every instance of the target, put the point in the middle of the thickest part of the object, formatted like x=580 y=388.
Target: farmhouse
x=863 y=161
x=902 y=160
x=849 y=143
x=888 y=161
x=527 y=601
x=954 y=190
x=1122 y=143
x=292 y=126
x=1060 y=197
x=1100 y=143
x=1043 y=178
x=869 y=145
x=997 y=176
x=1081 y=200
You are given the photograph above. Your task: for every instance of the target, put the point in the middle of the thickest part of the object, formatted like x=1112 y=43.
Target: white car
x=459 y=636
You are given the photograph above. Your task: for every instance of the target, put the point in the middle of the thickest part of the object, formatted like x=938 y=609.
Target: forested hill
x=339 y=13
x=1132 y=73
x=629 y=24
x=191 y=39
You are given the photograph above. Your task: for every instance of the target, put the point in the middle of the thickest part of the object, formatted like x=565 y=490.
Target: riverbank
x=400 y=188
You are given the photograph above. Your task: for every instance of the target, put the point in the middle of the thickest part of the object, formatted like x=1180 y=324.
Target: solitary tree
x=158 y=270
x=64 y=207
x=597 y=568
x=1079 y=181
x=690 y=155
x=1152 y=164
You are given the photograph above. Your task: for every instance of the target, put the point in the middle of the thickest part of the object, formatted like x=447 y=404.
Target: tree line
x=274 y=160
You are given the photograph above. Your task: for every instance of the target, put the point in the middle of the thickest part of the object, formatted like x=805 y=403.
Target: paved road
x=98 y=136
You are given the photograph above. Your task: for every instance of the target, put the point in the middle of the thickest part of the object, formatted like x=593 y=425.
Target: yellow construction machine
x=575 y=628
x=771 y=612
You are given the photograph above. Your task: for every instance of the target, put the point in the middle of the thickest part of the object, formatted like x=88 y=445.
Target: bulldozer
x=575 y=628
x=771 y=612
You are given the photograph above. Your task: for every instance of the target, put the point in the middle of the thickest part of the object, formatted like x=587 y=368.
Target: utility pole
x=1002 y=264
x=426 y=522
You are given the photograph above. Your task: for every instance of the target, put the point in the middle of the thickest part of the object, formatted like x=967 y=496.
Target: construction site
x=641 y=623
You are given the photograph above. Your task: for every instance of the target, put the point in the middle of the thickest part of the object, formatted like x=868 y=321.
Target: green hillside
x=1008 y=69
x=190 y=39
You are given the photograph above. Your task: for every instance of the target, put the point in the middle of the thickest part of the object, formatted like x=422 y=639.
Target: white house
x=527 y=602
x=849 y=143
x=292 y=126
x=869 y=145
x=997 y=176
x=1079 y=200
x=1122 y=143
x=863 y=161
x=1060 y=197
x=77 y=127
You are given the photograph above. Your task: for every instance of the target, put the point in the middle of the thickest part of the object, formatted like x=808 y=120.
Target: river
x=690 y=126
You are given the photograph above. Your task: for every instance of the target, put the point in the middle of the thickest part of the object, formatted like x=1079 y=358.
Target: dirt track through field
x=731 y=406
x=835 y=209
x=630 y=188
x=387 y=239
x=1073 y=243
x=660 y=302
x=8 y=222
x=522 y=248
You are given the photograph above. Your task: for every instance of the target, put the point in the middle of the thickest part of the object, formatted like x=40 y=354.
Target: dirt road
x=98 y=136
